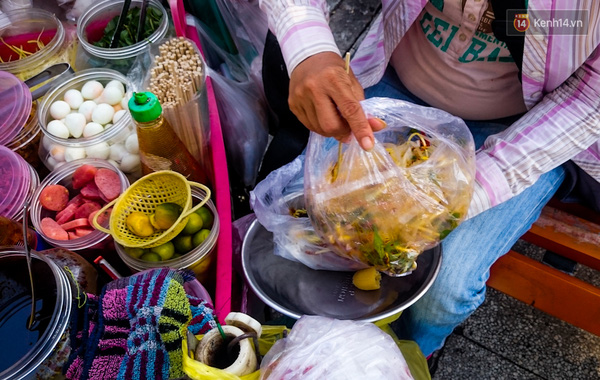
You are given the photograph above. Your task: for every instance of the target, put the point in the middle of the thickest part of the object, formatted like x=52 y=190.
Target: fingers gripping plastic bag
x=323 y=348
x=386 y=206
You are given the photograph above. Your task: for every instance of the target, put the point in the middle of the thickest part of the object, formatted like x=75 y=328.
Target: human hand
x=325 y=98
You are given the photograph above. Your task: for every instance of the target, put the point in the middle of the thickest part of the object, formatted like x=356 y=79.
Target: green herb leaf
x=378 y=244
x=444 y=233
x=130 y=27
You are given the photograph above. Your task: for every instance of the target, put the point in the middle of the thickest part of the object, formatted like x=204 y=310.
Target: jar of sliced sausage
x=64 y=204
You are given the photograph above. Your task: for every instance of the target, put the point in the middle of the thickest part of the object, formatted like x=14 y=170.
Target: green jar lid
x=144 y=107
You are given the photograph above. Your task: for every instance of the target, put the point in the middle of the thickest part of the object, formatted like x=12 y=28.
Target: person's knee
x=452 y=297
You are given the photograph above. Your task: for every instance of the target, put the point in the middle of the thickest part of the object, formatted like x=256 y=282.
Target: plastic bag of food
x=386 y=206
x=278 y=202
x=324 y=348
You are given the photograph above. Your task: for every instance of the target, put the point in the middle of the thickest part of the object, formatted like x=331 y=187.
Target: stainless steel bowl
x=295 y=290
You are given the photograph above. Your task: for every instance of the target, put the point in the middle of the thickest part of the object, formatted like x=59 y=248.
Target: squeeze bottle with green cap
x=160 y=147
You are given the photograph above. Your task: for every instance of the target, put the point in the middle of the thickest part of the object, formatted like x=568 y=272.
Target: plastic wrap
x=323 y=348
x=386 y=206
x=243 y=107
x=278 y=202
x=248 y=27
x=244 y=123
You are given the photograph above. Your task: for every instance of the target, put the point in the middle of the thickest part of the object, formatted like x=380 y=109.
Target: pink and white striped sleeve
x=564 y=125
x=301 y=27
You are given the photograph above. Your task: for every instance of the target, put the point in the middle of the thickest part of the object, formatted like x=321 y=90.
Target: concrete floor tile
x=463 y=359
x=533 y=339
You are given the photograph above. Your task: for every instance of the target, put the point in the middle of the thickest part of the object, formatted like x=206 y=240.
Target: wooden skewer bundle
x=177 y=78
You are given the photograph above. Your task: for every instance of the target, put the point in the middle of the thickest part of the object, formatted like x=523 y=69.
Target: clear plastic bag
x=386 y=206
x=247 y=24
x=244 y=121
x=243 y=109
x=324 y=348
x=278 y=201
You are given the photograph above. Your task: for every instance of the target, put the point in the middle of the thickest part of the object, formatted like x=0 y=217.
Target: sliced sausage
x=91 y=192
x=102 y=218
x=81 y=232
x=53 y=230
x=67 y=214
x=108 y=183
x=82 y=222
x=86 y=209
x=76 y=200
x=54 y=197
x=83 y=175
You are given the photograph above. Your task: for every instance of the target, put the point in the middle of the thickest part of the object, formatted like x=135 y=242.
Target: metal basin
x=294 y=289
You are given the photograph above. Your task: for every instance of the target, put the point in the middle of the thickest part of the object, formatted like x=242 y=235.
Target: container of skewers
x=177 y=76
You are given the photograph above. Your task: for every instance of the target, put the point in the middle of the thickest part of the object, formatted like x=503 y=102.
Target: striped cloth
x=138 y=328
x=561 y=87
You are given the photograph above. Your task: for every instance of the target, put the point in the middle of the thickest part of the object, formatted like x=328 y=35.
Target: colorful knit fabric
x=202 y=316
x=82 y=326
x=147 y=356
x=111 y=337
x=141 y=321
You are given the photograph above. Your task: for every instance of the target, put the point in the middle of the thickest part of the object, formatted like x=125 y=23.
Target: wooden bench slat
x=567 y=235
x=548 y=289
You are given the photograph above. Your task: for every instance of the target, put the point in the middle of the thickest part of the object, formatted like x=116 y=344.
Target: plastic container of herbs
x=96 y=27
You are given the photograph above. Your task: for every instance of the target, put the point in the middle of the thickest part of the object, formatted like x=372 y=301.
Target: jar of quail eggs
x=86 y=116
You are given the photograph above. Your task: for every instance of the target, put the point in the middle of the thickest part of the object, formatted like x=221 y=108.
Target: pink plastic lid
x=15 y=106
x=15 y=181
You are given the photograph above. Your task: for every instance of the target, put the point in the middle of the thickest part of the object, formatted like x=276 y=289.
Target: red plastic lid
x=15 y=181
x=15 y=106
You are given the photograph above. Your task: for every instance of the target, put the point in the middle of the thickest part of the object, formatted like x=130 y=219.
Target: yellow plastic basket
x=143 y=196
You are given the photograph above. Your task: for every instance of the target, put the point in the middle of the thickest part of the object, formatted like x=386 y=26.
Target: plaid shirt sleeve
x=301 y=27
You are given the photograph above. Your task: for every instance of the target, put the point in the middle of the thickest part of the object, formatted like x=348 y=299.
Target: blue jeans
x=471 y=249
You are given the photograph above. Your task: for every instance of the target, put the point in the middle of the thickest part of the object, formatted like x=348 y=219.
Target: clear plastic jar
x=199 y=259
x=20 y=26
x=27 y=142
x=39 y=352
x=55 y=151
x=18 y=182
x=64 y=176
x=90 y=29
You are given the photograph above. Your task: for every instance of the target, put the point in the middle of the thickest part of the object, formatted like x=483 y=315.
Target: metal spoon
x=54 y=71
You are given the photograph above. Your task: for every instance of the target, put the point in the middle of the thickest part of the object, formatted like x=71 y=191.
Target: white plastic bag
x=320 y=348
x=386 y=206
